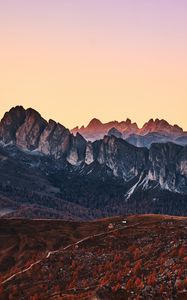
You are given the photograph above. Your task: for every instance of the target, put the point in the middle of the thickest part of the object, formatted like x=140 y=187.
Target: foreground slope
x=136 y=257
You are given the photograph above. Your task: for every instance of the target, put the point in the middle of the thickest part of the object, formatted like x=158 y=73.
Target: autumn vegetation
x=146 y=258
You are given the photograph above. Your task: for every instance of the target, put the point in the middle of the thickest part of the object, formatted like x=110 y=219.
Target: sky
x=73 y=60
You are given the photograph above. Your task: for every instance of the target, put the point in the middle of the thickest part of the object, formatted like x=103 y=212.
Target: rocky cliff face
x=10 y=123
x=29 y=131
x=115 y=132
x=160 y=126
x=28 y=134
x=89 y=155
x=123 y=159
x=164 y=165
x=54 y=140
x=168 y=166
x=77 y=149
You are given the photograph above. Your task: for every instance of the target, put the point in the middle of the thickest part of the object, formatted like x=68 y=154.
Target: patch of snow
x=2 y=144
x=133 y=188
x=5 y=211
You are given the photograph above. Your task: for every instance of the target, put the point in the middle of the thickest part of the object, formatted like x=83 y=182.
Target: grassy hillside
x=135 y=257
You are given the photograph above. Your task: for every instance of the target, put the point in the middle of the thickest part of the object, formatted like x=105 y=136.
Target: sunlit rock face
x=96 y=130
x=89 y=157
x=54 y=140
x=28 y=134
x=160 y=126
x=10 y=123
x=77 y=149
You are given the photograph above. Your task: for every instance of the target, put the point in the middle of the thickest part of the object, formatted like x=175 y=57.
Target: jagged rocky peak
x=77 y=149
x=75 y=130
x=9 y=124
x=114 y=131
x=54 y=139
x=28 y=134
x=28 y=130
x=96 y=130
x=161 y=126
x=129 y=128
x=128 y=121
x=94 y=124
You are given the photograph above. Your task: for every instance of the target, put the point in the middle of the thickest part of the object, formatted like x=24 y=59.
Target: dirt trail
x=49 y=253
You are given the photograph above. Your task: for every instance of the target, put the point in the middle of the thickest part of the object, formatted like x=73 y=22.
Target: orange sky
x=73 y=61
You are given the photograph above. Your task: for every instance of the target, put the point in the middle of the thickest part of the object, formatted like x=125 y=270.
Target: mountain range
x=152 y=131
x=49 y=171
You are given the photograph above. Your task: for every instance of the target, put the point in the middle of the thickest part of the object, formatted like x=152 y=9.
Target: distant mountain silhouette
x=161 y=130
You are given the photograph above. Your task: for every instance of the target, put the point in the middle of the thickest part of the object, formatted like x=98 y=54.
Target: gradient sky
x=111 y=59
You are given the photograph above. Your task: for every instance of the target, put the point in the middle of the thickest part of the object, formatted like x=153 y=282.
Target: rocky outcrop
x=160 y=126
x=94 y=125
x=89 y=156
x=54 y=140
x=10 y=123
x=127 y=128
x=77 y=149
x=28 y=134
x=168 y=166
x=29 y=131
x=115 y=132
x=122 y=158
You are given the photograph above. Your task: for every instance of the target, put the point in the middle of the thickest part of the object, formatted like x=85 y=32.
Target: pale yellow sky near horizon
x=76 y=60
